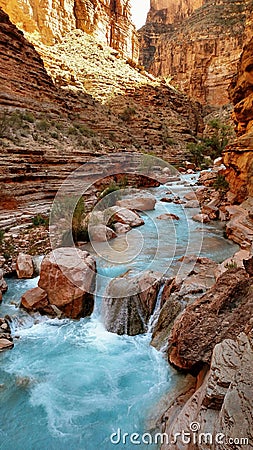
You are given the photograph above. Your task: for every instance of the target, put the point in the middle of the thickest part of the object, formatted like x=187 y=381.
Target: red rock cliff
x=198 y=43
x=108 y=20
x=238 y=157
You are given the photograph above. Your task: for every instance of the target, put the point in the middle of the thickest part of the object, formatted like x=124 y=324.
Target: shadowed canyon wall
x=238 y=157
x=107 y=20
x=198 y=43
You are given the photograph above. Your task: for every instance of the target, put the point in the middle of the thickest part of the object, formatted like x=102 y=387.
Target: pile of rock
x=6 y=341
x=3 y=284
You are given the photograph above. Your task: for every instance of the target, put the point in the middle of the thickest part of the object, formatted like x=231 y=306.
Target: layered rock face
x=198 y=43
x=238 y=157
x=171 y=11
x=47 y=132
x=222 y=406
x=108 y=20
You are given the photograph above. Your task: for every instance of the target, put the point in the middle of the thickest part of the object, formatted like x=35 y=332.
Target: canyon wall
x=47 y=131
x=49 y=21
x=238 y=157
x=171 y=11
x=198 y=43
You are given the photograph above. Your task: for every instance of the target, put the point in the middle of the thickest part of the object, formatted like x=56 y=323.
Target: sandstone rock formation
x=108 y=20
x=238 y=156
x=68 y=278
x=197 y=42
x=171 y=11
x=222 y=404
x=24 y=266
x=129 y=302
x=223 y=312
x=47 y=132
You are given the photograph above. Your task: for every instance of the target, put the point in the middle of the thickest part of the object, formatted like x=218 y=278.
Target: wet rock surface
x=6 y=341
x=129 y=303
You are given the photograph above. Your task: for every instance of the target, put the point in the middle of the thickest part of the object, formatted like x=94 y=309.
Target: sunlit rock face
x=171 y=11
x=196 y=42
x=109 y=21
x=50 y=20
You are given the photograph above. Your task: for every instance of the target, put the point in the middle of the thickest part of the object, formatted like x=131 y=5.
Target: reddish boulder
x=221 y=313
x=35 y=299
x=24 y=266
x=68 y=277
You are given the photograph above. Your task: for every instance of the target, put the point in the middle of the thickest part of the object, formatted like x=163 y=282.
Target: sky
x=140 y=9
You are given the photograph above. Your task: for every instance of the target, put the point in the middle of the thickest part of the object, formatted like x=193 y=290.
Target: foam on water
x=70 y=384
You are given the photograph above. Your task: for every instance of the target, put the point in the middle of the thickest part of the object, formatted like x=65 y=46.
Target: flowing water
x=71 y=384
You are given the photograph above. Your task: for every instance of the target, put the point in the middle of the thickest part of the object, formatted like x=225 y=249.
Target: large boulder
x=221 y=313
x=222 y=405
x=101 y=233
x=125 y=216
x=240 y=225
x=68 y=277
x=129 y=302
x=180 y=292
x=24 y=266
x=138 y=203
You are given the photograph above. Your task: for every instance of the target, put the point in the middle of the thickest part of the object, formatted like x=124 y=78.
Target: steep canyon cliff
x=196 y=42
x=238 y=156
x=49 y=21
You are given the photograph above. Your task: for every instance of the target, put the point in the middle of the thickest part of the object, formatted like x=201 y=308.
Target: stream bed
x=71 y=384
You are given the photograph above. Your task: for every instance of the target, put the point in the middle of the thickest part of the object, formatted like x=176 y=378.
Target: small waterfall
x=154 y=318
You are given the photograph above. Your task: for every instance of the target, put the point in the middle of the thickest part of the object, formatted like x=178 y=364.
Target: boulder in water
x=101 y=233
x=35 y=300
x=68 y=277
x=138 y=203
x=125 y=216
x=6 y=341
x=129 y=302
x=121 y=228
x=168 y=216
x=24 y=266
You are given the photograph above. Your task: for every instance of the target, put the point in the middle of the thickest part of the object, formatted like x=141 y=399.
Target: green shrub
x=221 y=184
x=231 y=265
x=1 y=236
x=213 y=145
x=28 y=117
x=42 y=125
x=39 y=220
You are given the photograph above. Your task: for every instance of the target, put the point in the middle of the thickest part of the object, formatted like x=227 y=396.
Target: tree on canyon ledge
x=218 y=136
